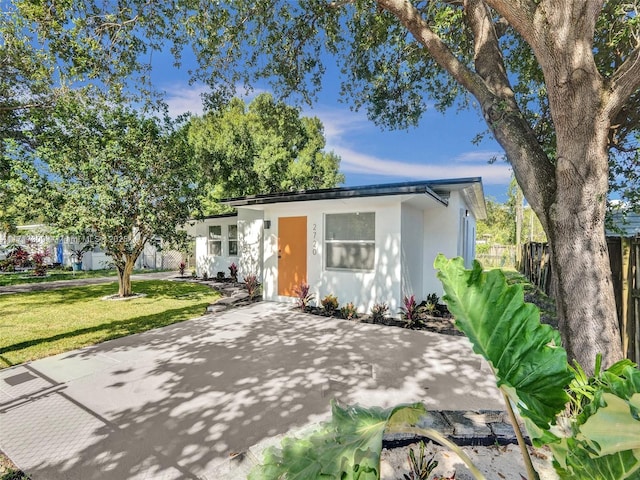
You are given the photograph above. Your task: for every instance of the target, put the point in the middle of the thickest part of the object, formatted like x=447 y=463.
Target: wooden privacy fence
x=624 y=255
x=536 y=266
x=498 y=256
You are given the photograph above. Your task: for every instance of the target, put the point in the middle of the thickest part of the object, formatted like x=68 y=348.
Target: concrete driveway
x=177 y=402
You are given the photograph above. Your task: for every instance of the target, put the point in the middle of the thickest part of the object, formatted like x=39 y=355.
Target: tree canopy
x=264 y=147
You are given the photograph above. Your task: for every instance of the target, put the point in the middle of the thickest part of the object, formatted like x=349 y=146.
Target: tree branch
x=532 y=167
x=491 y=87
x=518 y=13
x=624 y=83
x=411 y=19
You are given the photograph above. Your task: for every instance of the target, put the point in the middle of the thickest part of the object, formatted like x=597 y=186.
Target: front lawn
x=38 y=324
x=53 y=275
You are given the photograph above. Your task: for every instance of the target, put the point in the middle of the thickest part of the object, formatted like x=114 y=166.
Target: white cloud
x=480 y=156
x=185 y=98
x=355 y=162
x=340 y=124
x=182 y=98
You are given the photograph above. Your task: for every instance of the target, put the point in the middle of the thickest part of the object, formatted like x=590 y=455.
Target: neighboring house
x=624 y=225
x=37 y=237
x=363 y=244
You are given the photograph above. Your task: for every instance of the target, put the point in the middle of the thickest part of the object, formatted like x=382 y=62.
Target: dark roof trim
x=434 y=188
x=211 y=217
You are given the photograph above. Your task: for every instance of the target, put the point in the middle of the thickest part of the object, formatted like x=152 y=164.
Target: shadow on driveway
x=177 y=402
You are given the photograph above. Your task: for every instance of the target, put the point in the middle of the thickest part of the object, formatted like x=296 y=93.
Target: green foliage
x=263 y=148
x=526 y=356
x=600 y=437
x=346 y=447
x=12 y=474
x=120 y=177
x=329 y=304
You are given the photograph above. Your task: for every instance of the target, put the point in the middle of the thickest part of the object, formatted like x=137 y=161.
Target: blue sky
x=440 y=147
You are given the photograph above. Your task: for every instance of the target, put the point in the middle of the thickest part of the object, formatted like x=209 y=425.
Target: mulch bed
x=443 y=323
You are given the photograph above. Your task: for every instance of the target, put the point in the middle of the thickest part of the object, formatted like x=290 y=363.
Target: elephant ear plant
x=591 y=424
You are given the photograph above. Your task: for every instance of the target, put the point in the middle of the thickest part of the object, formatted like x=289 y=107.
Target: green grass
x=38 y=324
x=7 y=279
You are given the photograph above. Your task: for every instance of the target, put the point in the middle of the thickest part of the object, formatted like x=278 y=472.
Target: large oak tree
x=556 y=80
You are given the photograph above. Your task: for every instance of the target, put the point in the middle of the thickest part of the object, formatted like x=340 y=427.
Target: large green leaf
x=347 y=447
x=573 y=461
x=529 y=364
x=612 y=428
x=606 y=433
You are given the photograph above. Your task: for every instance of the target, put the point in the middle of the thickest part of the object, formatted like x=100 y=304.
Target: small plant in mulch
x=304 y=297
x=8 y=471
x=253 y=286
x=421 y=468
x=379 y=312
x=233 y=272
x=12 y=474
x=220 y=276
x=329 y=304
x=182 y=268
x=349 y=311
x=411 y=312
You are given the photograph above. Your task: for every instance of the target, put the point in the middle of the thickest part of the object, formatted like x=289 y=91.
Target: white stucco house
x=364 y=244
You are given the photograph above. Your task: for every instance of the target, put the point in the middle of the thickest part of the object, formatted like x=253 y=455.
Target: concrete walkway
x=184 y=400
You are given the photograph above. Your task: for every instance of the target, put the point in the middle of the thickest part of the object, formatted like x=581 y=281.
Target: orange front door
x=292 y=254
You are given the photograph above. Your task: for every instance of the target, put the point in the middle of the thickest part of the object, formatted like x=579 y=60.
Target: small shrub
x=329 y=304
x=182 y=268
x=17 y=256
x=303 y=296
x=12 y=474
x=431 y=305
x=433 y=298
x=379 y=311
x=349 y=311
x=220 y=275
x=205 y=276
x=193 y=272
x=38 y=258
x=7 y=265
x=410 y=311
x=252 y=285
x=233 y=272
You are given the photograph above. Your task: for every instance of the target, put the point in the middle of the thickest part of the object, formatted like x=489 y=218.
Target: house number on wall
x=314 y=244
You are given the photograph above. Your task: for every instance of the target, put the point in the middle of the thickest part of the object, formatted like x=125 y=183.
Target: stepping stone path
x=233 y=294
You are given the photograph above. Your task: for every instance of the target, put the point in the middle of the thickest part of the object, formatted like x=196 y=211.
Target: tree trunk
x=124 y=278
x=585 y=298
x=568 y=192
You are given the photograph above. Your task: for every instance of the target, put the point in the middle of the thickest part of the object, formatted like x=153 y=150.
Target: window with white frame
x=215 y=240
x=350 y=241
x=233 y=240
